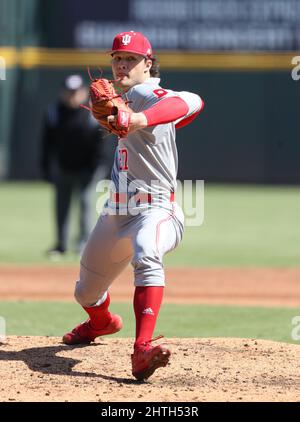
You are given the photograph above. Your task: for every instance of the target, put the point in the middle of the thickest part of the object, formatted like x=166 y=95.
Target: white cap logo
x=126 y=39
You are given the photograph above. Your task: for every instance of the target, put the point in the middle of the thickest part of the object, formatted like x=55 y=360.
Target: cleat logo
x=148 y=311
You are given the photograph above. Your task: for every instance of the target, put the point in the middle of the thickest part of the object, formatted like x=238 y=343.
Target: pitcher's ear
x=148 y=64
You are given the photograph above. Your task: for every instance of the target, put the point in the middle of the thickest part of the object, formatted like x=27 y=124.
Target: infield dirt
x=44 y=369
x=225 y=286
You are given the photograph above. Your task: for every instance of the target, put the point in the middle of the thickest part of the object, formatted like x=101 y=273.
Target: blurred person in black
x=72 y=159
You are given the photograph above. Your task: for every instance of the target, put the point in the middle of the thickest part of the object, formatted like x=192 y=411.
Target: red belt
x=121 y=198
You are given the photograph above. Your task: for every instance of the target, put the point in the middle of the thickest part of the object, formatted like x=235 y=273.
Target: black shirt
x=72 y=139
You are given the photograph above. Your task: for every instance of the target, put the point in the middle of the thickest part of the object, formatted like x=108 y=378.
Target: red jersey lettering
x=160 y=92
x=123 y=159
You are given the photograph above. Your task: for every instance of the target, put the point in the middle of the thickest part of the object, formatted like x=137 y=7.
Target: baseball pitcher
x=141 y=220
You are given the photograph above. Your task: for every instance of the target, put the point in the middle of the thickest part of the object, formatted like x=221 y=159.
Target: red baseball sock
x=99 y=315
x=147 y=302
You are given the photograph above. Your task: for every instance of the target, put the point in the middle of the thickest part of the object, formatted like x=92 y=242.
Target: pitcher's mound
x=221 y=369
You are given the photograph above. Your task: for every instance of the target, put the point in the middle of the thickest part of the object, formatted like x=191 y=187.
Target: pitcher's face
x=130 y=69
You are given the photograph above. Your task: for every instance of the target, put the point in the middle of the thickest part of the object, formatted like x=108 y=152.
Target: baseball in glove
x=106 y=102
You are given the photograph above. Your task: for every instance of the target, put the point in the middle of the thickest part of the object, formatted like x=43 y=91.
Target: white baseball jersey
x=138 y=231
x=146 y=160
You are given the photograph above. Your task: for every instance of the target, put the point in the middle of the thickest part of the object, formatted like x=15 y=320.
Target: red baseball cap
x=132 y=42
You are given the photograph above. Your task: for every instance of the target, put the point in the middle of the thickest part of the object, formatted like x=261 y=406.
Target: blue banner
x=205 y=25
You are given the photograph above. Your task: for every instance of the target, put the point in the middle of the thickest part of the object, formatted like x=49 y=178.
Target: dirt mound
x=44 y=369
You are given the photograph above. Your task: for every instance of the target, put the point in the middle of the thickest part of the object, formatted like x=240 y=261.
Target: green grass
x=243 y=226
x=55 y=318
x=27 y=224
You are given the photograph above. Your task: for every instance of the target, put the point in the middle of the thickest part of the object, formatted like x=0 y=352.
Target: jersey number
x=123 y=159
x=160 y=92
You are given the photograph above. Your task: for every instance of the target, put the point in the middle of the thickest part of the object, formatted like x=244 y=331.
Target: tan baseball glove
x=106 y=102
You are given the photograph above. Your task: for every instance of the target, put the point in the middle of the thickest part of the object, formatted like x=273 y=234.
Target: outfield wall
x=246 y=133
